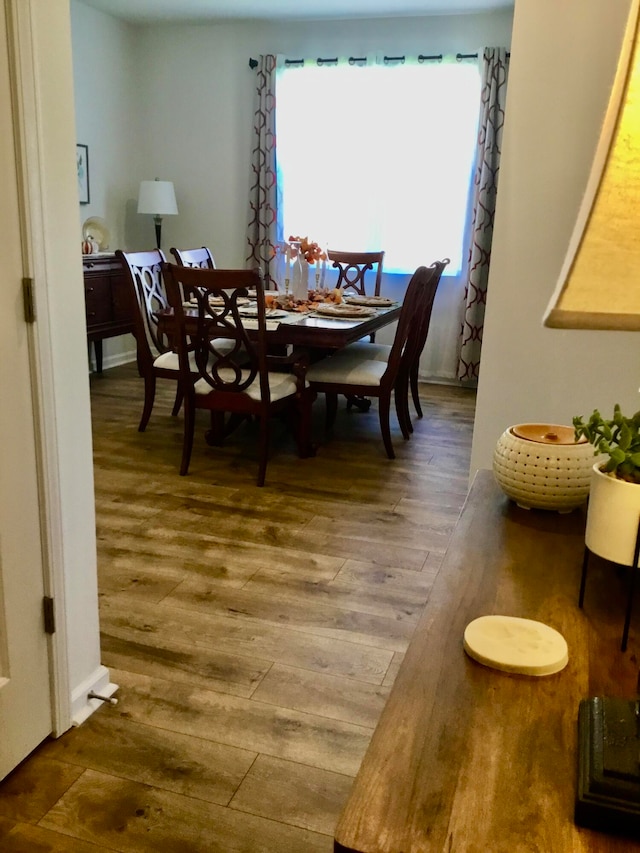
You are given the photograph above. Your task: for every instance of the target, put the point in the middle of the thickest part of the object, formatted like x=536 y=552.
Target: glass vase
x=299 y=275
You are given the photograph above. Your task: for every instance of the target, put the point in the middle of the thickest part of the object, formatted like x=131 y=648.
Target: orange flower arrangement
x=311 y=251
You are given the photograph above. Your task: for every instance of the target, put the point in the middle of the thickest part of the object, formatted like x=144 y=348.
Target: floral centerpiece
x=309 y=250
x=294 y=293
x=301 y=252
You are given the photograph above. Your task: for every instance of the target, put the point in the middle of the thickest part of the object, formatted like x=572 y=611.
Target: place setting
x=343 y=311
x=371 y=301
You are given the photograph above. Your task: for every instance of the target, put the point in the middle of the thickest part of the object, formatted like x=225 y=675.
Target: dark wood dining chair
x=155 y=358
x=351 y=374
x=352 y=275
x=353 y=268
x=222 y=384
x=409 y=372
x=201 y=257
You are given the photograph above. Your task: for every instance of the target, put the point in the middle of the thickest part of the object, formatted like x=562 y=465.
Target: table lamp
x=158 y=198
x=599 y=283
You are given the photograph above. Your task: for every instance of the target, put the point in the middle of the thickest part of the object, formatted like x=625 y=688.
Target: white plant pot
x=613 y=516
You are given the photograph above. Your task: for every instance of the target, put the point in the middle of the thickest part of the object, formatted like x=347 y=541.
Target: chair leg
x=384 y=408
x=177 y=404
x=401 y=395
x=187 y=443
x=332 y=409
x=263 y=449
x=362 y=404
x=302 y=424
x=149 y=397
x=413 y=378
x=215 y=436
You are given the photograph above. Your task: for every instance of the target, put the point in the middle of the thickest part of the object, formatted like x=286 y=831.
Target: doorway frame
x=41 y=78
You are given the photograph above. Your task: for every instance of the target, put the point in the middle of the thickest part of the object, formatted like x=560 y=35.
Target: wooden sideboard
x=107 y=303
x=466 y=759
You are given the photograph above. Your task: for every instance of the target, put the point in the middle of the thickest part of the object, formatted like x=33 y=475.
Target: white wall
x=563 y=59
x=105 y=62
x=194 y=100
x=107 y=119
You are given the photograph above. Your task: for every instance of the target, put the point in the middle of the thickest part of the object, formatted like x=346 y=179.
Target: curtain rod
x=437 y=57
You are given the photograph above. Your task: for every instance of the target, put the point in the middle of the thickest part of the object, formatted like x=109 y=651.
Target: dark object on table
x=608 y=796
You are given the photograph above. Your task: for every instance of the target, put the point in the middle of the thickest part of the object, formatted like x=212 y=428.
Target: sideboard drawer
x=97 y=298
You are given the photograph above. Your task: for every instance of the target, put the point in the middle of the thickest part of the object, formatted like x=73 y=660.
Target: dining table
x=306 y=330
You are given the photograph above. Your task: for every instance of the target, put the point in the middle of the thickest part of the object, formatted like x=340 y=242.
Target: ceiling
x=148 y=11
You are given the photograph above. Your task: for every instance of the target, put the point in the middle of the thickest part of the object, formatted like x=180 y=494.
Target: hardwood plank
x=385 y=601
x=392 y=672
x=25 y=838
x=322 y=538
x=114 y=744
x=300 y=795
x=34 y=786
x=313 y=617
x=326 y=695
x=208 y=668
x=307 y=738
x=134 y=619
x=386 y=530
x=221 y=557
x=357 y=572
x=135 y=818
x=139 y=581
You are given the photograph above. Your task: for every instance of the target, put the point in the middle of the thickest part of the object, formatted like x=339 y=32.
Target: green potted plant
x=613 y=514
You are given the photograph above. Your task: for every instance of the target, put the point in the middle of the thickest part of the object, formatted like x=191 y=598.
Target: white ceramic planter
x=613 y=516
x=541 y=466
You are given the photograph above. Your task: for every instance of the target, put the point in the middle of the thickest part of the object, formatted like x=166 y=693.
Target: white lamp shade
x=157 y=197
x=599 y=284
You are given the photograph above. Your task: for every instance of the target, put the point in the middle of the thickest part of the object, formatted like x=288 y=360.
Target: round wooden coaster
x=511 y=644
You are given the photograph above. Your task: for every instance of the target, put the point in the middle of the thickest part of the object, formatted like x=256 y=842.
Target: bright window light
x=379 y=157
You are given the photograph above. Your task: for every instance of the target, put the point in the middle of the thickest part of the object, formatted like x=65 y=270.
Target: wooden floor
x=254 y=633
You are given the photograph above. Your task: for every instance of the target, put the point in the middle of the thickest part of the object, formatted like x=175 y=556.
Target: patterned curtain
x=494 y=88
x=263 y=195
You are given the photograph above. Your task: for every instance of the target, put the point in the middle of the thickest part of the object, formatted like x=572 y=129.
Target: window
x=379 y=157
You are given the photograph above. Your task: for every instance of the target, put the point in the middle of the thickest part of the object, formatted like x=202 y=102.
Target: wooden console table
x=466 y=759
x=106 y=301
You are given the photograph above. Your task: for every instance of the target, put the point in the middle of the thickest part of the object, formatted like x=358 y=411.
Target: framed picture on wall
x=82 y=164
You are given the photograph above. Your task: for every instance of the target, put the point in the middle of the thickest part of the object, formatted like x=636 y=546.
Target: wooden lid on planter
x=547 y=433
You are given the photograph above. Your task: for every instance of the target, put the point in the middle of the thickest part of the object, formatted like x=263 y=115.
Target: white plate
x=347 y=312
x=270 y=313
x=219 y=300
x=373 y=301
x=95 y=228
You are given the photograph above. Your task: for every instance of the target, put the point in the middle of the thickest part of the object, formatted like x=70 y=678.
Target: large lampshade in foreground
x=599 y=284
x=159 y=199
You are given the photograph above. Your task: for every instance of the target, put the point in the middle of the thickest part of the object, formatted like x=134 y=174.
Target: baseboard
x=115 y=360
x=118 y=358
x=81 y=705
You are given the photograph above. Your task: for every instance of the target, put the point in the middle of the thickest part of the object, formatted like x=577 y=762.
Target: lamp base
x=608 y=796
x=157 y=221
